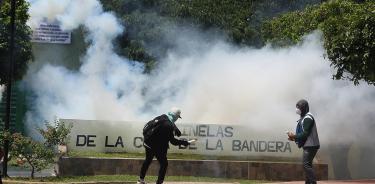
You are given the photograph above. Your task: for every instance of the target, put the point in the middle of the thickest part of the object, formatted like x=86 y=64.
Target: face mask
x=174 y=119
x=298 y=111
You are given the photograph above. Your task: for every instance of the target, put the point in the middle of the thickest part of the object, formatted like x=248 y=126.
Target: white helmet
x=176 y=111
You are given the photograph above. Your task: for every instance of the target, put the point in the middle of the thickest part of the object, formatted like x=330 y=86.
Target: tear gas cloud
x=212 y=82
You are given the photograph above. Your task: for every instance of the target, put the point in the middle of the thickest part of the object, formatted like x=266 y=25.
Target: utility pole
x=9 y=83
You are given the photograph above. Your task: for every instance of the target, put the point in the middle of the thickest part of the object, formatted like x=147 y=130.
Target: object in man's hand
x=192 y=140
x=290 y=136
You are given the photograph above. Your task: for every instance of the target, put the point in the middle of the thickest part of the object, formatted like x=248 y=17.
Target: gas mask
x=298 y=111
x=174 y=119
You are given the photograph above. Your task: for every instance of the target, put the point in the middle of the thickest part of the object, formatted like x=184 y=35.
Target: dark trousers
x=161 y=156
x=308 y=156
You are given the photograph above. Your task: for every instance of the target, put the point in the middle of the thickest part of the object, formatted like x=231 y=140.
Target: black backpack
x=150 y=128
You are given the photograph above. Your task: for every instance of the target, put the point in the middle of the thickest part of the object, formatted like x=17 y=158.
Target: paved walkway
x=333 y=182
x=19 y=172
x=171 y=182
x=292 y=182
x=104 y=182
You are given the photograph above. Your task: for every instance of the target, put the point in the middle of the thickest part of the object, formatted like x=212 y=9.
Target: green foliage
x=349 y=33
x=228 y=15
x=151 y=26
x=56 y=134
x=22 y=50
x=3 y=137
x=143 y=29
x=36 y=154
x=351 y=45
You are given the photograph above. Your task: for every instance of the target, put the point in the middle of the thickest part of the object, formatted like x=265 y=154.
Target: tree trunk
x=32 y=172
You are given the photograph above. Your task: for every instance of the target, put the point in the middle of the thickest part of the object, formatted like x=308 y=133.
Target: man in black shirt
x=158 y=143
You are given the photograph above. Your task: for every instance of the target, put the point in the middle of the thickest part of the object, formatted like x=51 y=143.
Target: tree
x=348 y=29
x=36 y=154
x=22 y=50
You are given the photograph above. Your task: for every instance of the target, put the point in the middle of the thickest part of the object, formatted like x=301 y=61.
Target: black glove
x=185 y=143
x=177 y=132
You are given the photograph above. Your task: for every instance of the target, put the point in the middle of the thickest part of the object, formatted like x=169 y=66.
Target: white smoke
x=217 y=83
x=212 y=82
x=260 y=87
x=91 y=93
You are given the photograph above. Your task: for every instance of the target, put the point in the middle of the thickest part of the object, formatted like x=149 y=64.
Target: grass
x=133 y=178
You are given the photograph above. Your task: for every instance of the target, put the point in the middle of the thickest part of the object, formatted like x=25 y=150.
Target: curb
x=104 y=182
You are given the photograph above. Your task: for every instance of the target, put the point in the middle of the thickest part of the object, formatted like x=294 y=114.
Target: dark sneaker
x=141 y=182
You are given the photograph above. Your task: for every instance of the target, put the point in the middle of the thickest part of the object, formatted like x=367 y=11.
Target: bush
x=56 y=134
